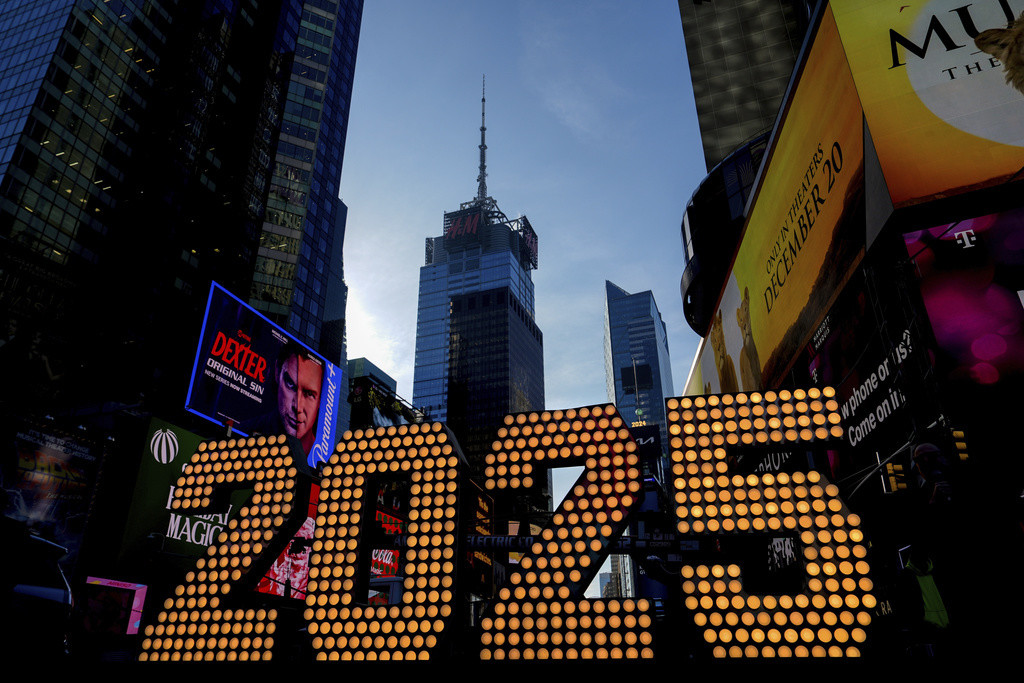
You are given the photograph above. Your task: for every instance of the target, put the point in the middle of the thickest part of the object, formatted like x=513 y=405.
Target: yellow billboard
x=804 y=233
x=942 y=87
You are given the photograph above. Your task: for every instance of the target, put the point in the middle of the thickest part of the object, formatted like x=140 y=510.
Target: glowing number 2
x=830 y=616
x=199 y=622
x=542 y=615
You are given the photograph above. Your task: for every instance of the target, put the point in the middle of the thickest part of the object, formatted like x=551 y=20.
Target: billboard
x=869 y=348
x=288 y=576
x=250 y=374
x=933 y=77
x=166 y=449
x=113 y=606
x=803 y=234
x=389 y=515
x=972 y=284
x=464 y=225
x=528 y=240
x=49 y=483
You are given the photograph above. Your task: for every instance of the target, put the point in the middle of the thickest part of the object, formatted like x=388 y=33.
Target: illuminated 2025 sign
x=541 y=612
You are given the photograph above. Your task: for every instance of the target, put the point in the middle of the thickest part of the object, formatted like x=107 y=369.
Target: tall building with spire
x=479 y=352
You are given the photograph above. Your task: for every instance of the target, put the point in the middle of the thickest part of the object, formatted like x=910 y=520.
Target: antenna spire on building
x=481 y=190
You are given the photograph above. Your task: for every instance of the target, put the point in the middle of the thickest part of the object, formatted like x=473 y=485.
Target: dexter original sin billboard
x=804 y=233
x=942 y=87
x=251 y=375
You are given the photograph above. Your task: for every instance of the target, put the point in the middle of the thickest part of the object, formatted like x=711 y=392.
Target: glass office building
x=637 y=365
x=293 y=278
x=638 y=373
x=147 y=148
x=479 y=352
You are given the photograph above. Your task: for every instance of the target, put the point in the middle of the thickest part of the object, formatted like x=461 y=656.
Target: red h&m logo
x=465 y=224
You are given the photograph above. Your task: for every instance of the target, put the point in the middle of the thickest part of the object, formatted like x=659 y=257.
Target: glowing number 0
x=341 y=627
x=198 y=623
x=830 y=616
x=542 y=615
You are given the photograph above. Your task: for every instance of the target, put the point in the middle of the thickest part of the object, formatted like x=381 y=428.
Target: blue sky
x=591 y=133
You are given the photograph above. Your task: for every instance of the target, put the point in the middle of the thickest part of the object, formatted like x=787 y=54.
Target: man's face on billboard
x=298 y=395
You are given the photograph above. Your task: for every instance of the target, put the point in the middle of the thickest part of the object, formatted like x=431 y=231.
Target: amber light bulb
x=214 y=634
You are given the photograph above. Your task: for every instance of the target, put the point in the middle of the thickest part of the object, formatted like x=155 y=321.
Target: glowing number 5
x=830 y=616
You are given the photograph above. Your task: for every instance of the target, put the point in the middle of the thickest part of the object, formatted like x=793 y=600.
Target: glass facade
x=479 y=353
x=637 y=365
x=494 y=351
x=73 y=82
x=294 y=263
x=638 y=373
x=144 y=146
x=455 y=269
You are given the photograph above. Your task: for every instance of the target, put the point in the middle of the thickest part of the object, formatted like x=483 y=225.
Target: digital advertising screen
x=165 y=450
x=113 y=606
x=935 y=77
x=289 y=575
x=972 y=283
x=528 y=244
x=463 y=226
x=797 y=249
x=250 y=374
x=50 y=482
x=869 y=349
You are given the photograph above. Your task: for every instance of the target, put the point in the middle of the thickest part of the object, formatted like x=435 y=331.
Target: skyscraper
x=741 y=56
x=147 y=149
x=637 y=366
x=479 y=352
x=618 y=583
x=298 y=277
x=639 y=377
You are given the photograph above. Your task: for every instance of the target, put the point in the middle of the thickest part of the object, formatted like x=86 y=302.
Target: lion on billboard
x=723 y=361
x=1006 y=45
x=750 y=362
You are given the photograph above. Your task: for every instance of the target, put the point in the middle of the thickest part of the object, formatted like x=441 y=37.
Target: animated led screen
x=251 y=374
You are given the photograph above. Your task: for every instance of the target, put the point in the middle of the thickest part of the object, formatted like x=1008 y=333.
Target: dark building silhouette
x=741 y=57
x=495 y=364
x=149 y=148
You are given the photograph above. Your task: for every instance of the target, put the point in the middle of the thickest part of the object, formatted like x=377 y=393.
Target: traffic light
x=960 y=441
x=896 y=476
